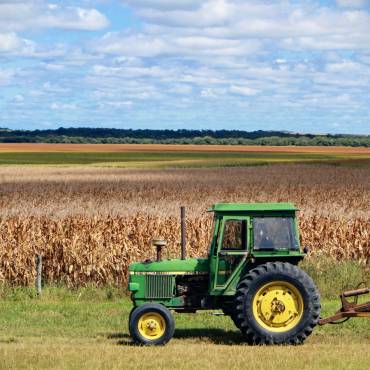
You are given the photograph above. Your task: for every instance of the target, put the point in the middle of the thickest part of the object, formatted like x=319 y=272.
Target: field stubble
x=90 y=223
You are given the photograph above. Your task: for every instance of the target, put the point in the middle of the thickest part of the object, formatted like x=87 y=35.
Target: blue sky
x=302 y=66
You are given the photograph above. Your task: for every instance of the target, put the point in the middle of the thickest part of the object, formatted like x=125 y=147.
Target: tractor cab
x=253 y=232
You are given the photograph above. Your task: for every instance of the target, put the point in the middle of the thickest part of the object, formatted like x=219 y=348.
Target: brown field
x=41 y=147
x=90 y=223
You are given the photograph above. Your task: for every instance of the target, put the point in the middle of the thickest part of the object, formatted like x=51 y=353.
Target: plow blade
x=349 y=309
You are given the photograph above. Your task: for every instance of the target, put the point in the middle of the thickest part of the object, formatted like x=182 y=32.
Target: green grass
x=176 y=159
x=333 y=277
x=87 y=329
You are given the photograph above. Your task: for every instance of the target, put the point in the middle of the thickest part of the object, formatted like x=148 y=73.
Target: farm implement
x=349 y=309
x=251 y=274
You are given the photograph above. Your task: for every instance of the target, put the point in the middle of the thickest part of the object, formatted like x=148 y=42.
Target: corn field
x=90 y=223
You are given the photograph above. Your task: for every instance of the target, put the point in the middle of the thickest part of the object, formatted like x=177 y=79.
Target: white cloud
x=63 y=106
x=352 y=3
x=181 y=89
x=18 y=98
x=147 y=45
x=119 y=104
x=344 y=66
x=6 y=76
x=209 y=93
x=129 y=72
x=243 y=90
x=79 y=18
x=293 y=25
x=9 y=41
x=53 y=88
x=53 y=66
x=132 y=45
x=12 y=44
x=165 y=4
x=209 y=14
x=23 y=15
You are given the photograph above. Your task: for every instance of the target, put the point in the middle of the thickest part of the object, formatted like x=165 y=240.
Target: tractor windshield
x=274 y=233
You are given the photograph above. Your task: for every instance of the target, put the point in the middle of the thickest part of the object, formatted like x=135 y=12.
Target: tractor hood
x=171 y=267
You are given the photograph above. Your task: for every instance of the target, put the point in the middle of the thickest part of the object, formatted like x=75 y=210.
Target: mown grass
x=87 y=328
x=177 y=159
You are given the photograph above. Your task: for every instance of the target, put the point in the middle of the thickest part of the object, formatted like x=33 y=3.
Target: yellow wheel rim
x=151 y=325
x=278 y=306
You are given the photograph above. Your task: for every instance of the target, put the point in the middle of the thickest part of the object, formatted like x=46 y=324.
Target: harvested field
x=90 y=223
x=44 y=147
x=176 y=156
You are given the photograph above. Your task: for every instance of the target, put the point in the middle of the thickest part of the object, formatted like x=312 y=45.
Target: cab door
x=230 y=249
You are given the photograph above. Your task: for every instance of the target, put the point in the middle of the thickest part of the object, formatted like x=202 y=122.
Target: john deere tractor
x=251 y=274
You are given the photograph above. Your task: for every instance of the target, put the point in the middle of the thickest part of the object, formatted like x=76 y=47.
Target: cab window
x=274 y=233
x=234 y=235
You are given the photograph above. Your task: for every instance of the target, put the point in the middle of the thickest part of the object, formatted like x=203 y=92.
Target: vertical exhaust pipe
x=183 y=233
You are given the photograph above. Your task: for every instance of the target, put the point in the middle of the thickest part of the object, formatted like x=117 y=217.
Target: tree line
x=146 y=136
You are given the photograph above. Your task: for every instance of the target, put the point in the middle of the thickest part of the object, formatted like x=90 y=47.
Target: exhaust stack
x=183 y=233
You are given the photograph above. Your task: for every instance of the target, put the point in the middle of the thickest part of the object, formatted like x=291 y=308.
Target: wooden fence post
x=38 y=273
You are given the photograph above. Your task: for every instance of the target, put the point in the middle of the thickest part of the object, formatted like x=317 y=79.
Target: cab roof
x=252 y=207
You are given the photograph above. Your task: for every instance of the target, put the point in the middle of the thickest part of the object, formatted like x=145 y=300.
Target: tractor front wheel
x=276 y=303
x=151 y=324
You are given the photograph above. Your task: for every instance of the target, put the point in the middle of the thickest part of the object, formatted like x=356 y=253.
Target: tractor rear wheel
x=151 y=324
x=276 y=303
x=229 y=311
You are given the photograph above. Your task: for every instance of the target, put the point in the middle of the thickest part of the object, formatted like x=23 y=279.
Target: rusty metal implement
x=349 y=309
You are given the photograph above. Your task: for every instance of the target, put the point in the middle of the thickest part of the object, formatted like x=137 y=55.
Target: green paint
x=252 y=207
x=174 y=265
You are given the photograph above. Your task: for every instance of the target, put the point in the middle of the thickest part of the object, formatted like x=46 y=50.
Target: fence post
x=38 y=273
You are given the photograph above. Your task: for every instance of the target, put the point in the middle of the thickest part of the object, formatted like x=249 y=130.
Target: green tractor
x=251 y=274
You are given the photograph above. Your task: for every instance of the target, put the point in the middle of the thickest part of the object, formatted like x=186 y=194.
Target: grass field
x=172 y=156
x=114 y=148
x=87 y=329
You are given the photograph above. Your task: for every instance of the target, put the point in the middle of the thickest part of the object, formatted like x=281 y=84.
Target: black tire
x=145 y=310
x=249 y=288
x=229 y=311
x=129 y=315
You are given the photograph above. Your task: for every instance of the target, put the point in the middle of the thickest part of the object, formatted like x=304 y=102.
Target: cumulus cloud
x=352 y=3
x=143 y=45
x=18 y=99
x=187 y=61
x=9 y=41
x=63 y=106
x=23 y=15
x=243 y=90
x=290 y=24
x=12 y=44
x=131 y=44
x=165 y=4
x=6 y=76
x=54 y=88
x=180 y=89
x=119 y=104
x=235 y=39
x=209 y=93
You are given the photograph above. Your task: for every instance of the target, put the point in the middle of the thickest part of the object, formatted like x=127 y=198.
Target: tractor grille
x=158 y=286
